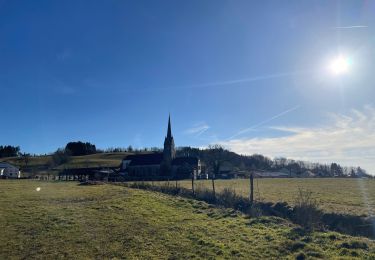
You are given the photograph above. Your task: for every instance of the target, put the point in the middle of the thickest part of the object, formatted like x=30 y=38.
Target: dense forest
x=9 y=151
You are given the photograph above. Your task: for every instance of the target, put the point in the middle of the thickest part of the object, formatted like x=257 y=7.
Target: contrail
x=350 y=27
x=197 y=131
x=263 y=122
x=228 y=82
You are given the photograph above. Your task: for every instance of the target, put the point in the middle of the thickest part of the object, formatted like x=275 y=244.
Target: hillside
x=242 y=165
x=40 y=164
x=65 y=220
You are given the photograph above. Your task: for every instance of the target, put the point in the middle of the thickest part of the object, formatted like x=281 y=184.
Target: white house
x=9 y=171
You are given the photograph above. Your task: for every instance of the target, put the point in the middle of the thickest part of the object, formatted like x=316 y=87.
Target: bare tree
x=60 y=157
x=26 y=159
x=215 y=160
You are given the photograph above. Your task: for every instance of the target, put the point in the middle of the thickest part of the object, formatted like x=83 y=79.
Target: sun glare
x=339 y=65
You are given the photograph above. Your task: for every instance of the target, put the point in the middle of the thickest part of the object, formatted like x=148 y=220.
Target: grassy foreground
x=347 y=196
x=64 y=220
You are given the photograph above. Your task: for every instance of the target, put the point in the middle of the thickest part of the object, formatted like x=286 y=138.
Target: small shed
x=8 y=171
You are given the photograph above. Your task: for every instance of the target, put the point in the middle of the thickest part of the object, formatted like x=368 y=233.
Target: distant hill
x=40 y=164
x=236 y=162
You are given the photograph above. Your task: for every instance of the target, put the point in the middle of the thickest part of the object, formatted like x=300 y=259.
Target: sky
x=253 y=76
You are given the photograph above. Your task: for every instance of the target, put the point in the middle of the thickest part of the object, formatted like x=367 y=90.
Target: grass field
x=65 y=220
x=351 y=196
x=348 y=196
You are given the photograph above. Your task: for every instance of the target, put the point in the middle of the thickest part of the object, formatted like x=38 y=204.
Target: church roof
x=145 y=159
x=157 y=158
x=6 y=165
x=185 y=160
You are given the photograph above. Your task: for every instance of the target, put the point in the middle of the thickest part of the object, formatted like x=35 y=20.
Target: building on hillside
x=8 y=171
x=226 y=171
x=268 y=174
x=308 y=174
x=159 y=165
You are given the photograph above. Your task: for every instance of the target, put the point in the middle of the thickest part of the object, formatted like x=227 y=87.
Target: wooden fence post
x=192 y=183
x=251 y=188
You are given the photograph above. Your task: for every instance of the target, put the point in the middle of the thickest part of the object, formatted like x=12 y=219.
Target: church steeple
x=169 y=152
x=169 y=133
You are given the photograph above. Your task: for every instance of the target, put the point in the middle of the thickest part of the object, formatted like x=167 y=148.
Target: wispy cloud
x=347 y=139
x=197 y=129
x=251 y=128
x=244 y=80
x=350 y=27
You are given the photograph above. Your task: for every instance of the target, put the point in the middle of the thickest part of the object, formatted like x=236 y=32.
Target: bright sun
x=339 y=65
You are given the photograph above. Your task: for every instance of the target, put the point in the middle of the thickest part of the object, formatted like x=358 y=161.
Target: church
x=159 y=166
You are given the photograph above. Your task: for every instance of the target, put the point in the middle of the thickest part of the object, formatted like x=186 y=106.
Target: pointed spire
x=169 y=152
x=169 y=133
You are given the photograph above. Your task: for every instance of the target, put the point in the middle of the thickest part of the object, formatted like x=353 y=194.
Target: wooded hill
x=259 y=162
x=242 y=163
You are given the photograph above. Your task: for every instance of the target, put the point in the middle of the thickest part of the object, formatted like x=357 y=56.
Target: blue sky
x=250 y=75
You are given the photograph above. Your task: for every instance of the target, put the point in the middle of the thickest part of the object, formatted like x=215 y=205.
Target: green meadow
x=348 y=196
x=66 y=220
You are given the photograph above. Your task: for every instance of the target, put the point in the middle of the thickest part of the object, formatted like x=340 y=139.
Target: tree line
x=9 y=151
x=210 y=156
x=295 y=168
